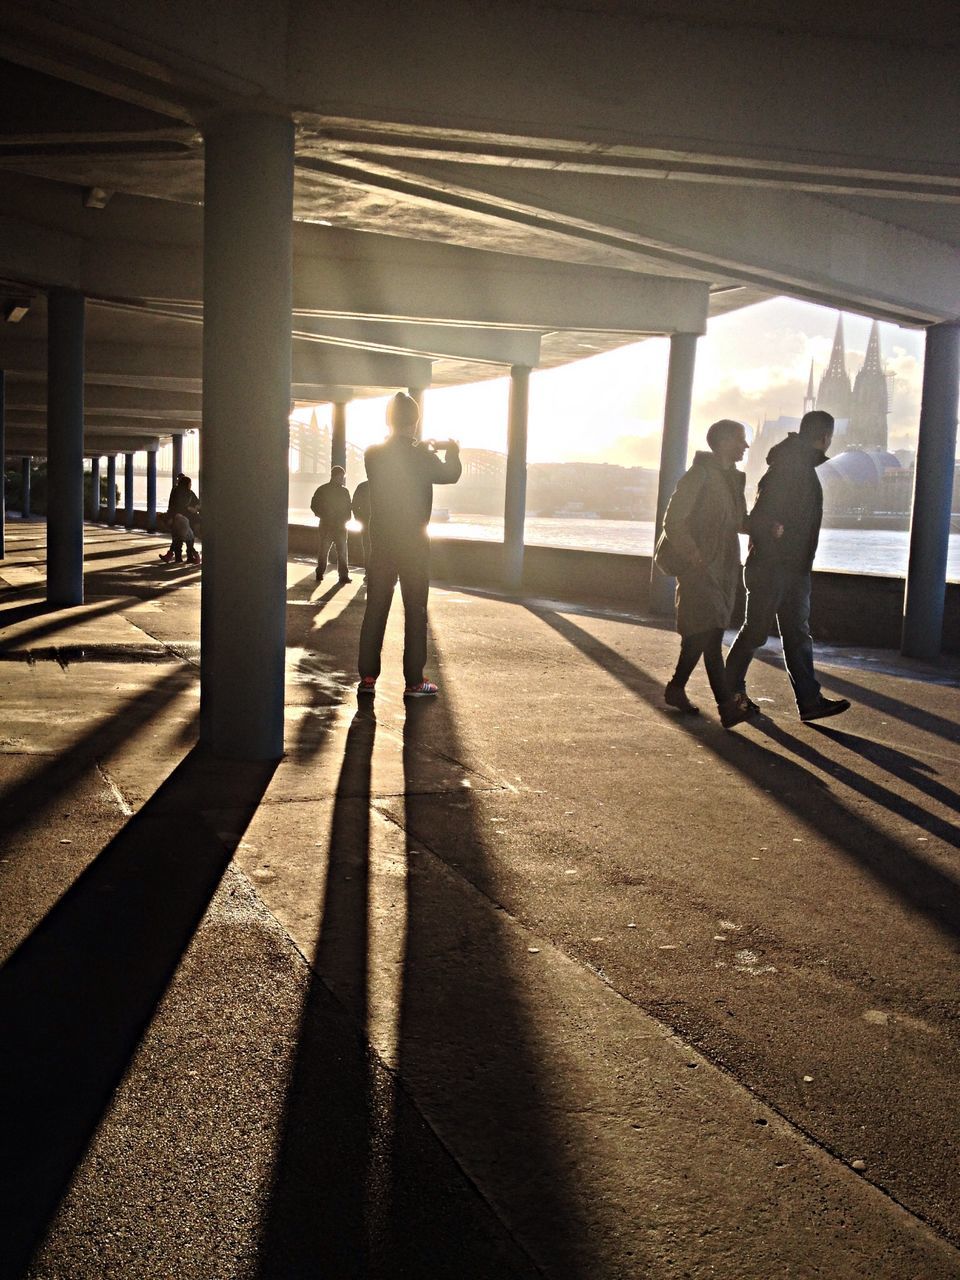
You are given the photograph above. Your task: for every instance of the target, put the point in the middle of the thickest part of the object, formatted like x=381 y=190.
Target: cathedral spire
x=833 y=393
x=871 y=361
x=868 y=415
x=838 y=356
x=810 y=399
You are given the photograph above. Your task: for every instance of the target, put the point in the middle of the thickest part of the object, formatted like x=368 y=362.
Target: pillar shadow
x=22 y=802
x=70 y=616
x=894 y=865
x=77 y=994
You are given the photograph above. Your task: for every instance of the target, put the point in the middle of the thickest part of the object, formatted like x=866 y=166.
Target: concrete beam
x=381 y=277
x=34 y=443
x=442 y=342
x=812 y=86
x=144 y=365
x=130 y=401
x=35 y=420
x=314 y=363
x=786 y=242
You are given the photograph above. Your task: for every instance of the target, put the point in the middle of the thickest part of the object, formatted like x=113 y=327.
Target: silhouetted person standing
x=402 y=474
x=361 y=513
x=331 y=504
x=183 y=504
x=784 y=531
x=702 y=522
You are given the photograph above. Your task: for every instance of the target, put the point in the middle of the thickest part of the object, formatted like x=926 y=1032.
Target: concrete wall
x=848 y=608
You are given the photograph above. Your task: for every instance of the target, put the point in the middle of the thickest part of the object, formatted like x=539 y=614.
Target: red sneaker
x=425 y=689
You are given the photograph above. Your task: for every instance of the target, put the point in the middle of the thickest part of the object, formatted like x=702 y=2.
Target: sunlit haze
x=751 y=364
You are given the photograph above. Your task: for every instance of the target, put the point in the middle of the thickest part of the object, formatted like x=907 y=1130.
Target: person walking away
x=183 y=505
x=361 y=513
x=784 y=529
x=331 y=505
x=703 y=519
x=402 y=473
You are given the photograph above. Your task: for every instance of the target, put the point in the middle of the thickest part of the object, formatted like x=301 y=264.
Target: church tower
x=809 y=400
x=834 y=393
x=869 y=409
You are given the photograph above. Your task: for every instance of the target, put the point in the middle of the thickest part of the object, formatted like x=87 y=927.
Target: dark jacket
x=402 y=474
x=789 y=493
x=706 y=513
x=361 y=503
x=331 y=505
x=183 y=501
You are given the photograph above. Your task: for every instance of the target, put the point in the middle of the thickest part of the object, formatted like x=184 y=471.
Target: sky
x=751 y=364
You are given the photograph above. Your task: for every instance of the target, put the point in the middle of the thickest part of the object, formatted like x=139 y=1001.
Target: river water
x=880 y=551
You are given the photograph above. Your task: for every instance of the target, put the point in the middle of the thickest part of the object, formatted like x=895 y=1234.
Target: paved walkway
x=535 y=980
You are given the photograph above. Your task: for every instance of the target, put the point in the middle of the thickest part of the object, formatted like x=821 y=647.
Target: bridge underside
x=461 y=193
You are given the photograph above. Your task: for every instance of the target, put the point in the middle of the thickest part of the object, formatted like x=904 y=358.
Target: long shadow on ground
x=892 y=863
x=77 y=994
x=363 y=1188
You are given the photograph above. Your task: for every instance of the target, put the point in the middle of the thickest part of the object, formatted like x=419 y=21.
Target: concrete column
x=932 y=494
x=176 y=466
x=65 y=325
x=515 y=496
x=3 y=464
x=111 y=488
x=25 y=464
x=128 y=490
x=247 y=309
x=93 y=508
x=152 y=490
x=673 y=450
x=338 y=437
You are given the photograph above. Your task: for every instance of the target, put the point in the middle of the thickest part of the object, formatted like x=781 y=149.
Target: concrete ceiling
x=476 y=186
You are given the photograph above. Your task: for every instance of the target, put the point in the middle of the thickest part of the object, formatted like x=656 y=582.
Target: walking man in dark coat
x=402 y=473
x=702 y=522
x=331 y=504
x=784 y=530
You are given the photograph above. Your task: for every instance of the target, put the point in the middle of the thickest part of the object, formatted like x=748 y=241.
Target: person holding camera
x=402 y=473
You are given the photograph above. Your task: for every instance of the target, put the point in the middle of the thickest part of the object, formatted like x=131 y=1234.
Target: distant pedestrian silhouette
x=784 y=531
x=402 y=474
x=183 y=506
x=331 y=505
x=703 y=519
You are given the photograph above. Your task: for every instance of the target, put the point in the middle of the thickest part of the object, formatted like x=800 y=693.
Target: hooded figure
x=784 y=531
x=703 y=519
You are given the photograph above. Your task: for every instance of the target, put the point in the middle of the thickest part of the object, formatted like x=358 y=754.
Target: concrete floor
x=535 y=980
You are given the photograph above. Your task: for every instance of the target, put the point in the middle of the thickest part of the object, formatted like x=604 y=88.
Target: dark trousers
x=412 y=566
x=367 y=545
x=782 y=596
x=709 y=646
x=337 y=537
